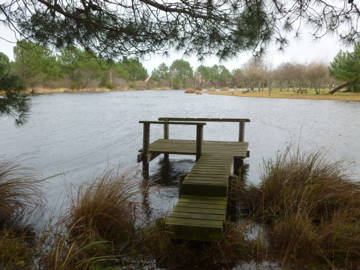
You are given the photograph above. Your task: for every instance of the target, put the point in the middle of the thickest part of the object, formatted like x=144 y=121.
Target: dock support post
x=241 y=131
x=238 y=163
x=166 y=136
x=199 y=139
x=145 y=158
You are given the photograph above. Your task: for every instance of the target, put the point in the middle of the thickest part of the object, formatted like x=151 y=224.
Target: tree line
x=255 y=75
x=37 y=66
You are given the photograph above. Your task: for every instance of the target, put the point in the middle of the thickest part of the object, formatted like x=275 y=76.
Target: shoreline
x=289 y=95
x=40 y=91
x=43 y=91
x=348 y=96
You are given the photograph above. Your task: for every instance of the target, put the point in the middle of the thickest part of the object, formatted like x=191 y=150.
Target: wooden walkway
x=202 y=207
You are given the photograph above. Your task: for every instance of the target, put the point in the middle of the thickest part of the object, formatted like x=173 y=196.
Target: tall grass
x=312 y=210
x=20 y=197
x=16 y=251
x=20 y=194
x=99 y=226
x=304 y=183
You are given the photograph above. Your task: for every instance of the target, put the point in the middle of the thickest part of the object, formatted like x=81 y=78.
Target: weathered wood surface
x=188 y=147
x=201 y=210
x=198 y=218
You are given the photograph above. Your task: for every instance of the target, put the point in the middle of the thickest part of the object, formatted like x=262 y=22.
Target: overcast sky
x=302 y=50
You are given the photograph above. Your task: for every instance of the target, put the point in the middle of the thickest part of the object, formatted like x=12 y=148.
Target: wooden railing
x=241 y=122
x=146 y=139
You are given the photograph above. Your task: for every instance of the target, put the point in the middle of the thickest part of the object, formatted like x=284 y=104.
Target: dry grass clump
x=340 y=239
x=304 y=183
x=312 y=211
x=233 y=249
x=16 y=251
x=102 y=210
x=67 y=254
x=99 y=227
x=294 y=239
x=20 y=194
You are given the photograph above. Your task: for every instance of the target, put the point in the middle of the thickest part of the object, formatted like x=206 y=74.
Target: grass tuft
x=20 y=194
x=102 y=210
x=312 y=210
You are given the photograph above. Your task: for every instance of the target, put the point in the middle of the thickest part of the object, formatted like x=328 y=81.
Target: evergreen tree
x=346 y=67
x=181 y=73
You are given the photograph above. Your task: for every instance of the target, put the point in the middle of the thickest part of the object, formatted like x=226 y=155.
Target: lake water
x=77 y=136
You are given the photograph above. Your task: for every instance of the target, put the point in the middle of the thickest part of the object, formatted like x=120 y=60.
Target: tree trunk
x=342 y=86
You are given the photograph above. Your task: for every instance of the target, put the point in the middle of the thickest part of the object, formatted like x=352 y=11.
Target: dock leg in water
x=145 y=168
x=238 y=163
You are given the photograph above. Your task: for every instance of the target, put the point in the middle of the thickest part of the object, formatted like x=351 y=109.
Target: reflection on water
x=164 y=180
x=169 y=172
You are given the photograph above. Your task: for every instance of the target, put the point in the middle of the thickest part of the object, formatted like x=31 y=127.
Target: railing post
x=166 y=130
x=145 y=158
x=241 y=131
x=166 y=136
x=199 y=139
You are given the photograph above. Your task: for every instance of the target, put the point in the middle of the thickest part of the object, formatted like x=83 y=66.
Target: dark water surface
x=78 y=135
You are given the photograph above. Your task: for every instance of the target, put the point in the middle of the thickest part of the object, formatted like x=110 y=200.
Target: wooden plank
x=194 y=222
x=205 y=184
x=210 y=198
x=210 y=170
x=202 y=200
x=186 y=209
x=201 y=189
x=202 y=205
x=201 y=216
x=208 y=175
x=195 y=233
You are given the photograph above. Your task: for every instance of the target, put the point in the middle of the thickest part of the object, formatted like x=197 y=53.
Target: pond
x=70 y=138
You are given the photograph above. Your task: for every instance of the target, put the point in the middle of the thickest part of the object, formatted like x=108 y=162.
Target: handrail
x=241 y=122
x=173 y=123
x=205 y=119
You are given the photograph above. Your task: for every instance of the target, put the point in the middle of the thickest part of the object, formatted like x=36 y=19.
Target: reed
x=312 y=210
x=98 y=229
x=20 y=194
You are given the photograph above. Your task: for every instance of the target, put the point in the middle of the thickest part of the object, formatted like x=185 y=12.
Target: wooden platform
x=201 y=210
x=188 y=147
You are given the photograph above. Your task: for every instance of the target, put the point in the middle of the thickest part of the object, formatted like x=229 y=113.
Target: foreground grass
x=309 y=208
x=291 y=95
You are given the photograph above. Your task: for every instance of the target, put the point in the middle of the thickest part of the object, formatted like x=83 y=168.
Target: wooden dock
x=202 y=207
